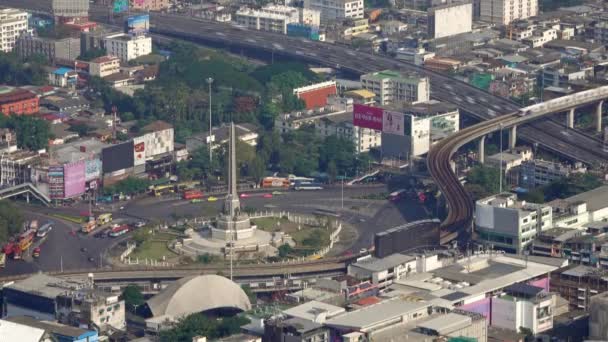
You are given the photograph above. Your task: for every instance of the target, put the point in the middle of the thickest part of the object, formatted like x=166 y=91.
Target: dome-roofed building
x=198 y=293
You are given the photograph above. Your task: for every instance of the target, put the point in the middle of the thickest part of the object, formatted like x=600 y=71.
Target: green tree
x=199 y=325
x=132 y=296
x=486 y=178
x=285 y=250
x=91 y=54
x=32 y=133
x=11 y=220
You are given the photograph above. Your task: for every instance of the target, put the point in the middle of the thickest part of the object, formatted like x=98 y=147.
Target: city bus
x=118 y=231
x=159 y=190
x=308 y=186
x=104 y=218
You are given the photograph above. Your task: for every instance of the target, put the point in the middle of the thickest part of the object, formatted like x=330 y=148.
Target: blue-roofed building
x=57 y=331
x=63 y=77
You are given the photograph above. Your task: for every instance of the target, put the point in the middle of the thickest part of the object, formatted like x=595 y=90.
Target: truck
x=192 y=194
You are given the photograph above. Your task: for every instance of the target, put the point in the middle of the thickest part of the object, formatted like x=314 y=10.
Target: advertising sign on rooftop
x=393 y=122
x=74 y=179
x=139 y=24
x=367 y=117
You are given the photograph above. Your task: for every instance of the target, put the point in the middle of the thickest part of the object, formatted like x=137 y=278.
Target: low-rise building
x=104 y=66
x=91 y=308
x=511 y=161
x=524 y=305
x=63 y=77
x=384 y=271
x=18 y=101
x=336 y=10
x=538 y=172
x=578 y=284
x=55 y=331
x=394 y=87
x=598 y=317
x=272 y=18
x=294 y=329
x=506 y=223
x=316 y=95
x=581 y=209
x=64 y=50
x=150 y=5
x=128 y=47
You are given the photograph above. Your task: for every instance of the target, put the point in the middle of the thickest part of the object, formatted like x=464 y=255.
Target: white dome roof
x=198 y=293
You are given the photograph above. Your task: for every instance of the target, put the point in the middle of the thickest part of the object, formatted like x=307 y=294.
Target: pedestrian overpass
x=26 y=189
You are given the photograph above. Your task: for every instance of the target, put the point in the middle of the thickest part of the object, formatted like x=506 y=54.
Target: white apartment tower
x=502 y=12
x=127 y=47
x=13 y=22
x=393 y=87
x=71 y=8
x=272 y=18
x=332 y=10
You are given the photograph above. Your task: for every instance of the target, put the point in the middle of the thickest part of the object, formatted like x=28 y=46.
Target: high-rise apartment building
x=392 y=87
x=502 y=12
x=332 y=10
x=13 y=22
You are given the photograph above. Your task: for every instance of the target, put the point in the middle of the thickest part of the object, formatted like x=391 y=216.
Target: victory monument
x=232 y=224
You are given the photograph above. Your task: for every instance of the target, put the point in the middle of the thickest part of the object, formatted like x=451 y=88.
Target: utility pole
x=500 y=175
x=343 y=192
x=210 y=81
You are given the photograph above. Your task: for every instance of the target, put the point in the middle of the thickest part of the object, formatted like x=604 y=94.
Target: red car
x=267 y=196
x=244 y=195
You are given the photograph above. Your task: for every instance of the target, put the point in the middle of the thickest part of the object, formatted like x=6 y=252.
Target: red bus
x=192 y=194
x=118 y=231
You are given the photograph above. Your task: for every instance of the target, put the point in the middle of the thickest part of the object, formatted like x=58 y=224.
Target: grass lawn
x=311 y=238
x=154 y=246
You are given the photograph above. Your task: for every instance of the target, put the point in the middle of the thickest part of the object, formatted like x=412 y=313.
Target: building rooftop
x=104 y=59
x=373 y=315
x=62 y=71
x=596 y=199
x=429 y=108
x=14 y=95
x=395 y=75
x=446 y=324
x=46 y=286
x=11 y=331
x=156 y=126
x=377 y=265
x=361 y=93
x=310 y=310
x=77 y=150
x=53 y=327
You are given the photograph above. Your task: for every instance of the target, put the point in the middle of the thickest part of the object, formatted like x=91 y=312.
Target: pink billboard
x=74 y=178
x=367 y=117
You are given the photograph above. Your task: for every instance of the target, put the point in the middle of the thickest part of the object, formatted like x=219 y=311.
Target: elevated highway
x=549 y=134
x=242 y=273
x=458 y=223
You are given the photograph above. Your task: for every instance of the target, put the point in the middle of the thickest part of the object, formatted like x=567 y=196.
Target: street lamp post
x=500 y=175
x=209 y=81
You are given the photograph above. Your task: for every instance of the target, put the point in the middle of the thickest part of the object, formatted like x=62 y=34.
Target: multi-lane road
x=549 y=134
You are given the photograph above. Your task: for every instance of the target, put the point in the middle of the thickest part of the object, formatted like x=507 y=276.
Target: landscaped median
x=71 y=218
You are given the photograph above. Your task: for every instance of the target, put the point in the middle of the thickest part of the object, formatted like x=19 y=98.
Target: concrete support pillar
x=513 y=137
x=453 y=165
x=482 y=150
x=598 y=116
x=570 y=120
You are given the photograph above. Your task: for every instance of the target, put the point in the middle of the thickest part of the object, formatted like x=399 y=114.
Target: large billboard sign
x=117 y=157
x=74 y=179
x=393 y=122
x=139 y=24
x=56 y=182
x=367 y=117
x=120 y=6
x=139 y=151
x=92 y=169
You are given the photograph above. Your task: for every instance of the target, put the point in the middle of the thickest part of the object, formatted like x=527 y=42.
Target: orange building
x=20 y=102
x=315 y=95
